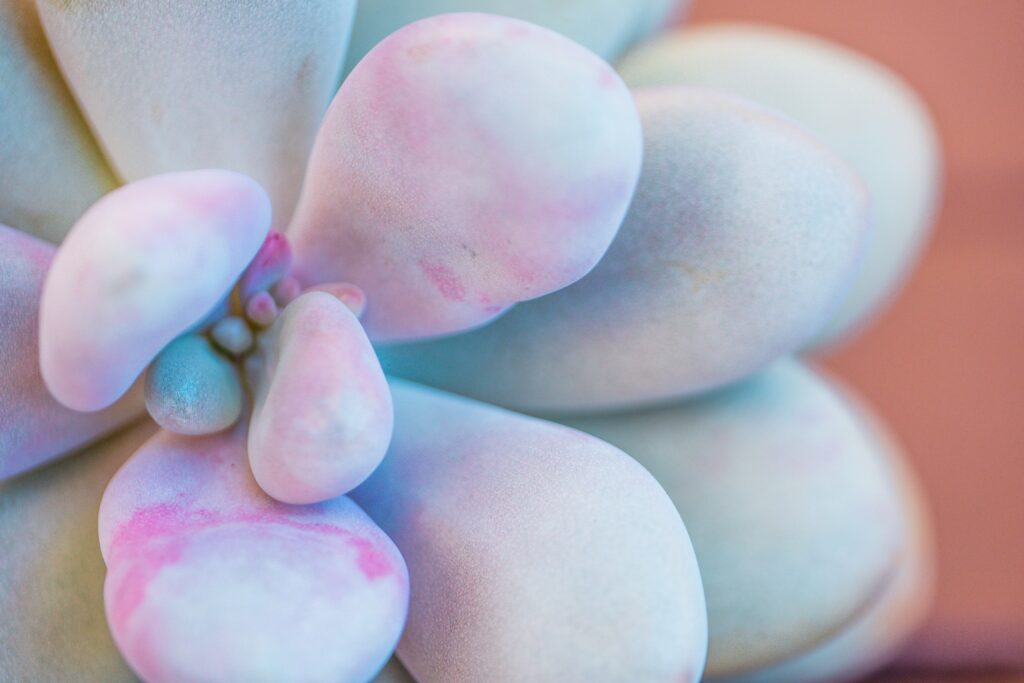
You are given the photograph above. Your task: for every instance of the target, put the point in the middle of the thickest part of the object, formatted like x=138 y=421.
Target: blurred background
x=943 y=363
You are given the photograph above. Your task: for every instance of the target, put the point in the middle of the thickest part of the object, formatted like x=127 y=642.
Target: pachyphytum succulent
x=206 y=227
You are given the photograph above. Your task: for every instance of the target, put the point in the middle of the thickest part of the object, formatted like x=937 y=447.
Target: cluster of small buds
x=198 y=383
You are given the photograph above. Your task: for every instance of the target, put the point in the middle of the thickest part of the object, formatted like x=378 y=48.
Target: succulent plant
x=482 y=206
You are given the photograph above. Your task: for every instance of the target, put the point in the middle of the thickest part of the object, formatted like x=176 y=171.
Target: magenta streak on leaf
x=445 y=280
x=165 y=529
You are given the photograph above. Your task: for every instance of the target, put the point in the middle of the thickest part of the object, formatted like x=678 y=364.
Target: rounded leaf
x=34 y=427
x=323 y=414
x=191 y=388
x=143 y=265
x=210 y=580
x=875 y=637
x=794 y=513
x=741 y=239
x=858 y=107
x=441 y=185
x=536 y=553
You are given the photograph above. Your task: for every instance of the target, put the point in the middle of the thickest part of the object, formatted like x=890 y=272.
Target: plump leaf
x=856 y=106
x=35 y=428
x=323 y=414
x=468 y=163
x=793 y=508
x=143 y=265
x=741 y=239
x=536 y=553
x=193 y=388
x=51 y=572
x=210 y=580
x=880 y=632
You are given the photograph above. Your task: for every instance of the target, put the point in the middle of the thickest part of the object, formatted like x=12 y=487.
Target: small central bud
x=232 y=335
x=196 y=385
x=261 y=309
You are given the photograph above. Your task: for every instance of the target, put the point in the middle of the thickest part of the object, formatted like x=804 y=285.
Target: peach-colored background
x=945 y=365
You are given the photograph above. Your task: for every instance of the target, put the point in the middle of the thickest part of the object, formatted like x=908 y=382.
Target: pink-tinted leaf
x=346 y=293
x=286 y=290
x=270 y=264
x=143 y=265
x=793 y=508
x=742 y=237
x=51 y=572
x=249 y=83
x=210 y=580
x=323 y=414
x=536 y=553
x=34 y=428
x=468 y=163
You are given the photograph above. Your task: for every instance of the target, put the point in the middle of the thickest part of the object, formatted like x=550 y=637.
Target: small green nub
x=193 y=389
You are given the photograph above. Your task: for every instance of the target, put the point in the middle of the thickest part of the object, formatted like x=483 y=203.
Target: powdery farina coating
x=323 y=416
x=51 y=570
x=856 y=106
x=469 y=162
x=142 y=266
x=209 y=579
x=742 y=236
x=536 y=552
x=52 y=168
x=874 y=637
x=793 y=509
x=248 y=86
x=34 y=427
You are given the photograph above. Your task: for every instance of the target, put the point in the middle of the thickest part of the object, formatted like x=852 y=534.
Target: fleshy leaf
x=794 y=512
x=249 y=84
x=741 y=239
x=605 y=26
x=441 y=185
x=192 y=388
x=51 y=572
x=879 y=633
x=535 y=551
x=323 y=414
x=856 y=106
x=35 y=428
x=142 y=266
x=210 y=580
x=52 y=168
